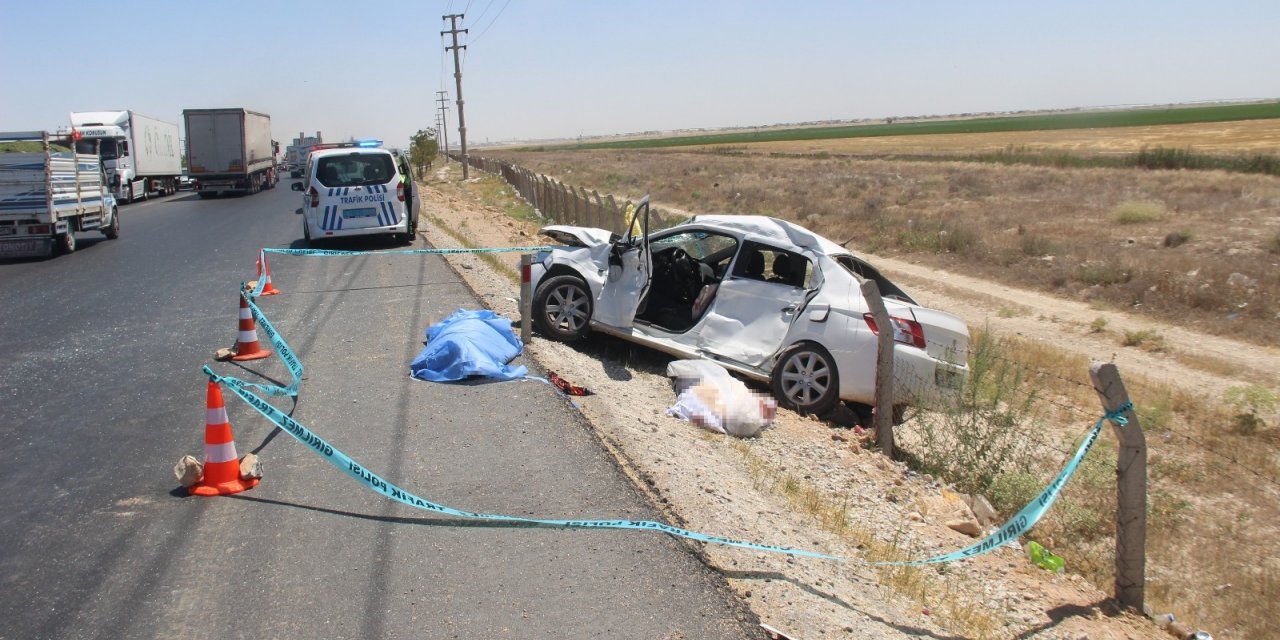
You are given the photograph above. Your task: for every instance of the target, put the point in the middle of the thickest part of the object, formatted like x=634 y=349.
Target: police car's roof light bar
x=368 y=143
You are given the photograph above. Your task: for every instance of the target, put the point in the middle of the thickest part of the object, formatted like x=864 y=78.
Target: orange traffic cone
x=247 y=346
x=221 y=465
x=264 y=271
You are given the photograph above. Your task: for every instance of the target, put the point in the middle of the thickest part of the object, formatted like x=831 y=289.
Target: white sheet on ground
x=713 y=399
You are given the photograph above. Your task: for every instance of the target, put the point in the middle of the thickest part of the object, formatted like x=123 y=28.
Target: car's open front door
x=630 y=272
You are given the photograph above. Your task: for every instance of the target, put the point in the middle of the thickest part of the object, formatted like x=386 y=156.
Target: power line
x=488 y=5
x=491 y=22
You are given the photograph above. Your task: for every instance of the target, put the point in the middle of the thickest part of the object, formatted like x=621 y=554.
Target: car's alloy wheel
x=806 y=380
x=562 y=308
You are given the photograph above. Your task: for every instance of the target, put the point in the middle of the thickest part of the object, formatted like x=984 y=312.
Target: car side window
x=865 y=271
x=762 y=262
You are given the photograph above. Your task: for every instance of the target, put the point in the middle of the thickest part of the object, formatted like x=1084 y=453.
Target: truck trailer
x=141 y=154
x=230 y=151
x=48 y=193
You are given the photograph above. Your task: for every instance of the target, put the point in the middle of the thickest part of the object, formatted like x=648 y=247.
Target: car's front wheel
x=806 y=380
x=562 y=308
x=113 y=230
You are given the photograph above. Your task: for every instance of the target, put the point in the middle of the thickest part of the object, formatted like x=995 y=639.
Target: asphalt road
x=101 y=393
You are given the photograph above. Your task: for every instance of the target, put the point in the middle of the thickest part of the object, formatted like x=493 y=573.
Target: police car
x=357 y=189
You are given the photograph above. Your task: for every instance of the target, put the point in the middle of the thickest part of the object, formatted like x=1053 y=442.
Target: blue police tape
x=1030 y=514
x=375 y=482
x=338 y=252
x=1019 y=524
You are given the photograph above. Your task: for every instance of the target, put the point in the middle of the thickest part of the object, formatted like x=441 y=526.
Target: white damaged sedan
x=763 y=297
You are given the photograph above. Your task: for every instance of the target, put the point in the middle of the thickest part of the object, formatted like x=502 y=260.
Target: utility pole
x=457 y=77
x=444 y=120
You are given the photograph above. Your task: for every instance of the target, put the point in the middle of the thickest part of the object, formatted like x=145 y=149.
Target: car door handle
x=789 y=309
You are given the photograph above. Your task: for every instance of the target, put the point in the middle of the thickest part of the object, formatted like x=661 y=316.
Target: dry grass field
x=1200 y=248
x=1197 y=250
x=1246 y=136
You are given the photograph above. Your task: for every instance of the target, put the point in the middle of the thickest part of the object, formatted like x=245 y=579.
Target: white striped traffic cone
x=247 y=345
x=221 y=465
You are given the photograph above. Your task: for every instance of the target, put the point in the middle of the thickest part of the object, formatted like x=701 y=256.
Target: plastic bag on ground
x=469 y=343
x=711 y=398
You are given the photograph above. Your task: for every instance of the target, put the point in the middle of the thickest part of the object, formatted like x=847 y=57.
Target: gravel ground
x=782 y=489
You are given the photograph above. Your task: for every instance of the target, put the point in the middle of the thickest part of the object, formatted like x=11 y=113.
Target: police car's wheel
x=562 y=308
x=410 y=234
x=806 y=380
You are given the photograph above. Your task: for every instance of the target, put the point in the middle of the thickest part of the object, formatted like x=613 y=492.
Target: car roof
x=773 y=229
x=347 y=151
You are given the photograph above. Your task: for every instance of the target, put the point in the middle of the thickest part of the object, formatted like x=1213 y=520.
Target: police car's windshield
x=355 y=169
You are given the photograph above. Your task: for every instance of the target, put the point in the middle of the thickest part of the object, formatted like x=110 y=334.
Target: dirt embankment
x=782 y=489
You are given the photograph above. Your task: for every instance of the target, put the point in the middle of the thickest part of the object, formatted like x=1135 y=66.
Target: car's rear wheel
x=806 y=380
x=410 y=234
x=113 y=230
x=562 y=308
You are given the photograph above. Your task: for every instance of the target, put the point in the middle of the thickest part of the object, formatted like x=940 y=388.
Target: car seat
x=781 y=269
x=329 y=176
x=753 y=266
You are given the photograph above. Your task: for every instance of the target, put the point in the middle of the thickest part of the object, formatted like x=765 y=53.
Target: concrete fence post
x=884 y=367
x=1131 y=487
x=562 y=204
x=611 y=210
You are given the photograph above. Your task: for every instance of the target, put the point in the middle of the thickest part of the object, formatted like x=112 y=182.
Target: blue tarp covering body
x=469 y=343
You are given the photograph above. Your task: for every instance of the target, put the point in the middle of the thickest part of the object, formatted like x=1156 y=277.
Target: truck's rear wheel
x=66 y=242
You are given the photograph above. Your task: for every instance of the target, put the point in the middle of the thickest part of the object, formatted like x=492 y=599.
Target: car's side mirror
x=297 y=186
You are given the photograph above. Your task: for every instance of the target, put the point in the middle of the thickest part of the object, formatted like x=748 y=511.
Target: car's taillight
x=315 y=198
x=39 y=229
x=400 y=191
x=904 y=330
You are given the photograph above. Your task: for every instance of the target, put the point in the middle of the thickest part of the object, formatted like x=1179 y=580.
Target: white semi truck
x=230 y=151
x=141 y=154
x=47 y=194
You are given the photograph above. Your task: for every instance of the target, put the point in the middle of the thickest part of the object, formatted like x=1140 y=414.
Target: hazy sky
x=563 y=68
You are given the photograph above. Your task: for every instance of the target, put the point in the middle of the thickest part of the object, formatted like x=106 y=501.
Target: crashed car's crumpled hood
x=577 y=236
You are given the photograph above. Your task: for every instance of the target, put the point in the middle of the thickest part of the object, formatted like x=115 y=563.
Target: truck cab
x=140 y=154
